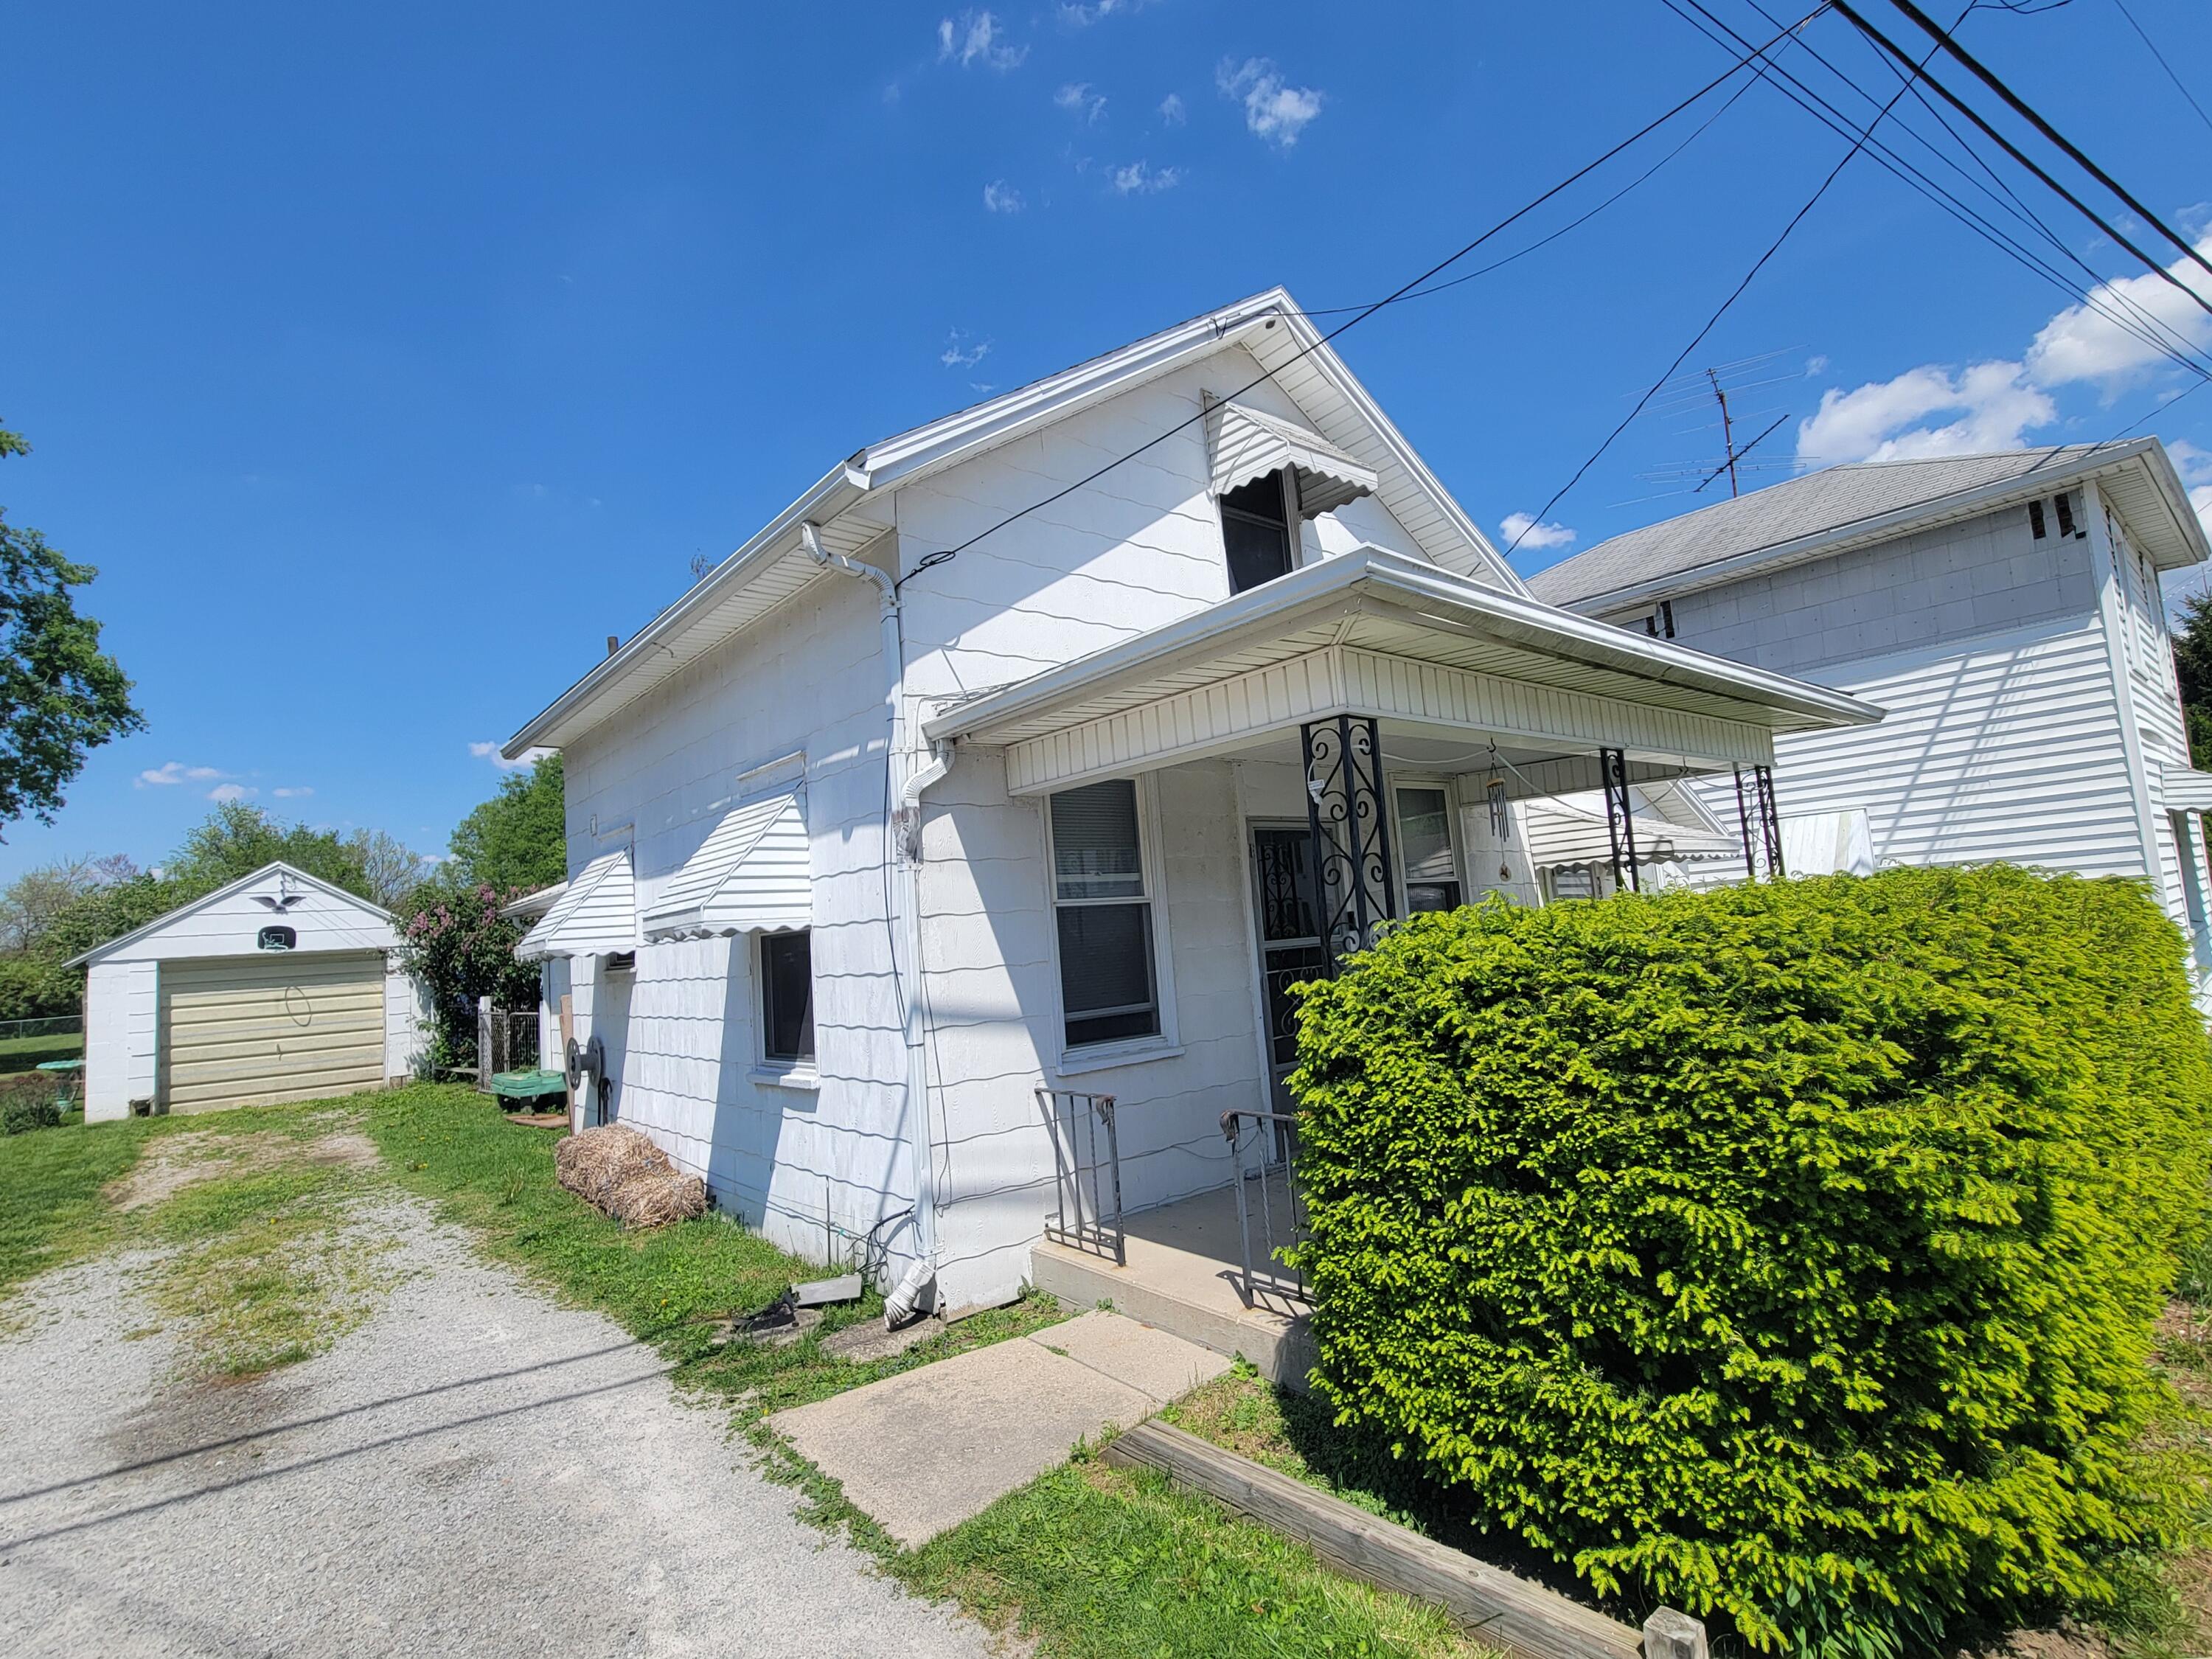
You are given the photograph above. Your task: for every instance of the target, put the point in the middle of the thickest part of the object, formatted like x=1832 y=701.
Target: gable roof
x=375 y=911
x=1841 y=508
x=850 y=504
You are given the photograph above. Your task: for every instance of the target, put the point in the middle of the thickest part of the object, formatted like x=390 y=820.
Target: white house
x=278 y=987
x=2004 y=609
x=1030 y=754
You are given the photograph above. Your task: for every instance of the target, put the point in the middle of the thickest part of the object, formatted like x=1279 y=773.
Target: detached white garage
x=279 y=986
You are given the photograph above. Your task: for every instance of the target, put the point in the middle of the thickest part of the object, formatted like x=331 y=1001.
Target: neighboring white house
x=278 y=987
x=907 y=812
x=2004 y=609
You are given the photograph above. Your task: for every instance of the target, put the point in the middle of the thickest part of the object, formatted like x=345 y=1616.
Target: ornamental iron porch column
x=1350 y=828
x=1620 y=817
x=1760 y=802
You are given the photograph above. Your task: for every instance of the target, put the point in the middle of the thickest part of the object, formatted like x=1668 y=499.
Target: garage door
x=236 y=1030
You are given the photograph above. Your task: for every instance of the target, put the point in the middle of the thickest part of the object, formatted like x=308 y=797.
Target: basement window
x=1256 y=531
x=787 y=977
x=2035 y=519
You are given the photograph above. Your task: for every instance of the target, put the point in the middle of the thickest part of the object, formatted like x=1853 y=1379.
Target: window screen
x=1424 y=850
x=1103 y=916
x=1255 y=532
x=787 y=996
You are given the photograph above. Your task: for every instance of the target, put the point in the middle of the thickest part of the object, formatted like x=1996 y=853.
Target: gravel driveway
x=475 y=1470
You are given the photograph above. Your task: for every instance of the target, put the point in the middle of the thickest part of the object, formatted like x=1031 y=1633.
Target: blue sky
x=471 y=326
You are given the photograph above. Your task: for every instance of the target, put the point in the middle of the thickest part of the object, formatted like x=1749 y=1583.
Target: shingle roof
x=1817 y=503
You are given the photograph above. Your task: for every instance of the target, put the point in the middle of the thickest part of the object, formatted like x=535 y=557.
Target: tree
x=29 y=903
x=61 y=695
x=2192 y=666
x=518 y=841
x=392 y=869
x=237 y=838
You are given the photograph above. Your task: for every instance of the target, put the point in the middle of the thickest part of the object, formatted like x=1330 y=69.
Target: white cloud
x=1077 y=98
x=1935 y=410
x=2201 y=499
x=2080 y=344
x=976 y=38
x=957 y=355
x=1816 y=365
x=1991 y=405
x=1521 y=529
x=169 y=772
x=999 y=197
x=1083 y=16
x=1172 y=114
x=2194 y=465
x=296 y=793
x=230 y=791
x=1139 y=180
x=1273 y=110
x=490 y=751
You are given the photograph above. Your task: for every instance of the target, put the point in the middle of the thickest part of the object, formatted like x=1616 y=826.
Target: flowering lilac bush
x=463 y=949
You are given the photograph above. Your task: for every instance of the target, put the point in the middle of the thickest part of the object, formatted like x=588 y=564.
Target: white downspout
x=905 y=921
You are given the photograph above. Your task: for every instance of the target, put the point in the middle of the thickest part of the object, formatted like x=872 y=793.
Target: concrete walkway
x=922 y=1451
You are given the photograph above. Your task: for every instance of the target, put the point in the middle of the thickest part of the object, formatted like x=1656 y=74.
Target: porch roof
x=1372 y=632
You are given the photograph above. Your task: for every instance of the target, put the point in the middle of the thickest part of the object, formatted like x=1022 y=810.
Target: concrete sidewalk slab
x=922 y=1451
x=1154 y=1362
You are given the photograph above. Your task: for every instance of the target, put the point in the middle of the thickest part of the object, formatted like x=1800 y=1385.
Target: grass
x=25 y=1053
x=50 y=1210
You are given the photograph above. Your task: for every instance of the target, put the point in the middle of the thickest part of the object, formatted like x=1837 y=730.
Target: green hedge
x=1788 y=1253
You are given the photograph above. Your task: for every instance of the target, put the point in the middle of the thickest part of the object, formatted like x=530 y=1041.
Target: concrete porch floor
x=1185 y=1268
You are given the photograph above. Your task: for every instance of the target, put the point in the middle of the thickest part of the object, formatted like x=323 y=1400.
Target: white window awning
x=2186 y=791
x=1246 y=444
x=752 y=875
x=1574 y=829
x=595 y=916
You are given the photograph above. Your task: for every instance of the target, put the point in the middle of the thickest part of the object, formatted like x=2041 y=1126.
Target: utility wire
x=2162 y=64
x=2100 y=297
x=1572 y=224
x=1713 y=321
x=2174 y=343
x=1843 y=7
x=2019 y=106
x=944 y=554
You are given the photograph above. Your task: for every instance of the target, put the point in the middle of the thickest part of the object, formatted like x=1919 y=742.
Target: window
x=1256 y=532
x=2035 y=519
x=1424 y=850
x=1102 y=913
x=787 y=972
x=2065 y=505
x=1660 y=624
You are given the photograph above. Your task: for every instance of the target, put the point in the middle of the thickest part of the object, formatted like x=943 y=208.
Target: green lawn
x=24 y=1053
x=1086 y=1561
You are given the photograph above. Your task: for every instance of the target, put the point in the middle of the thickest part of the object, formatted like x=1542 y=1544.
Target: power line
x=2100 y=297
x=945 y=554
x=1843 y=7
x=1713 y=321
x=2162 y=64
x=2019 y=106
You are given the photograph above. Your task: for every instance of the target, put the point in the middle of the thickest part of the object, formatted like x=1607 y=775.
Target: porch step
x=1191 y=1296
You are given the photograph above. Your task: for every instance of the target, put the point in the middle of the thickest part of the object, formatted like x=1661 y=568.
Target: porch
x=1232 y=805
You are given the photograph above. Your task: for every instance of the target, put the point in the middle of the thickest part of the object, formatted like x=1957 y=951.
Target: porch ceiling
x=1371 y=632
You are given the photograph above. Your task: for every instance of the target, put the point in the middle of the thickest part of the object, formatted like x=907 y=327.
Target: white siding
x=2008 y=749
x=406 y=1018
x=805 y=1165
x=229 y=926
x=2147 y=652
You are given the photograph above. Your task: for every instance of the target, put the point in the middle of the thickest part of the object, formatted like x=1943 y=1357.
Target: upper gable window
x=1256 y=531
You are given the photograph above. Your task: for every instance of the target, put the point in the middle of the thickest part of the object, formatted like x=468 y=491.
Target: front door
x=1291 y=949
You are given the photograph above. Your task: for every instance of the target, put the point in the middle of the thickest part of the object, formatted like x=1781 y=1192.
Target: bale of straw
x=618 y=1171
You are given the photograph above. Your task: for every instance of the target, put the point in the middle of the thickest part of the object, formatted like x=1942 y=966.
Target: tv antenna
x=1723 y=383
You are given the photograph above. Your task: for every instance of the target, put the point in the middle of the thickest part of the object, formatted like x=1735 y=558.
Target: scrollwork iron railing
x=1351 y=830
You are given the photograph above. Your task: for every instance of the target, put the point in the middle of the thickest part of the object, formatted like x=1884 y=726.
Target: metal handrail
x=1281 y=1214
x=1088 y=1184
